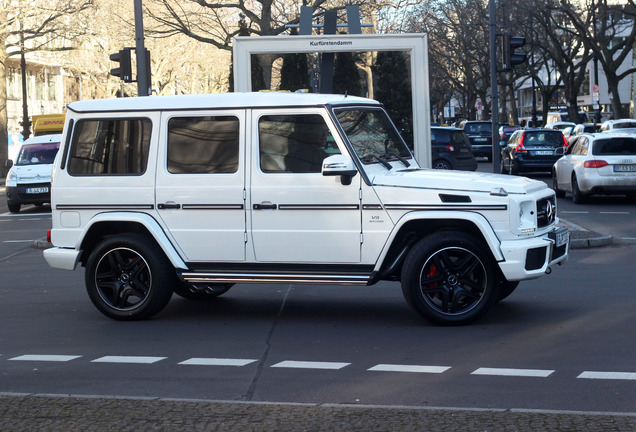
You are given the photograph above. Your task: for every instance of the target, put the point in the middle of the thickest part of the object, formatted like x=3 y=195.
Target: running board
x=230 y=277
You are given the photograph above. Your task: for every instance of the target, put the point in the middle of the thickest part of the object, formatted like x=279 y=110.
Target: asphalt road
x=560 y=345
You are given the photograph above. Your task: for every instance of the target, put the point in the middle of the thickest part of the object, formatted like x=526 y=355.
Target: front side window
x=203 y=145
x=294 y=143
x=372 y=135
x=110 y=147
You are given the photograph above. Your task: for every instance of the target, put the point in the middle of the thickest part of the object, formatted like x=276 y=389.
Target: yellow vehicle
x=47 y=124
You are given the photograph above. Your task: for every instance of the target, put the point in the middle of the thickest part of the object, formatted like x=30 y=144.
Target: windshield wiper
x=403 y=160
x=379 y=159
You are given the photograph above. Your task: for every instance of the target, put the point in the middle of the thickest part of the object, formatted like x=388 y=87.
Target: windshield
x=372 y=135
x=37 y=154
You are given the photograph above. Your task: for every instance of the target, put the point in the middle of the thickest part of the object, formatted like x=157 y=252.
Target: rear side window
x=615 y=146
x=543 y=139
x=203 y=145
x=110 y=147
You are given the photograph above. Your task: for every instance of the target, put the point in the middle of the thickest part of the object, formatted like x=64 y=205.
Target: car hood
x=33 y=172
x=458 y=181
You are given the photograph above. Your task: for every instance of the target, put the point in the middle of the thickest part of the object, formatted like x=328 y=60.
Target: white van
x=29 y=177
x=192 y=194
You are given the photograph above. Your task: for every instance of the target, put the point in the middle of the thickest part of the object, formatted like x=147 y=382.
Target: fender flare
x=147 y=222
x=478 y=220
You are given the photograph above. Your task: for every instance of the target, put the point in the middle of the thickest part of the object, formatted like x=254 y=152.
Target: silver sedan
x=602 y=163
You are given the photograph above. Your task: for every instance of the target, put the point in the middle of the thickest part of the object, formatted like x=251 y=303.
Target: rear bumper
x=530 y=258
x=62 y=258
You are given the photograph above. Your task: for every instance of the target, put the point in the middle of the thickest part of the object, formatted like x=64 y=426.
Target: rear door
x=200 y=188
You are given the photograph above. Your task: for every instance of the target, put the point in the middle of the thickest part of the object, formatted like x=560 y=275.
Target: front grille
x=546 y=212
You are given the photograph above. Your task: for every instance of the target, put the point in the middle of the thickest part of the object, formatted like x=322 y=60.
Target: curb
x=582 y=238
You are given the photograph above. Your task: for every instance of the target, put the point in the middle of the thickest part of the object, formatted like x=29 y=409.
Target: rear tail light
x=48 y=236
x=595 y=164
x=565 y=142
x=450 y=148
x=520 y=148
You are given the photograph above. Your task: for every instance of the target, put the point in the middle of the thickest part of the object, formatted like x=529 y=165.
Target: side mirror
x=8 y=164
x=560 y=151
x=339 y=165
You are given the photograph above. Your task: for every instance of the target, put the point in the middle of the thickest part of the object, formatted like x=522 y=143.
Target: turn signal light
x=595 y=164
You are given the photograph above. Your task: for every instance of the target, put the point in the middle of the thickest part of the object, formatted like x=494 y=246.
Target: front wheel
x=449 y=278
x=128 y=278
x=14 y=207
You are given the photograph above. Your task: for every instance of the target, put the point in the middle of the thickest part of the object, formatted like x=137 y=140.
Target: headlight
x=12 y=179
x=527 y=217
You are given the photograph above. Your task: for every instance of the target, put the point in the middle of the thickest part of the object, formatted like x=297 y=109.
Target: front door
x=200 y=193
x=298 y=215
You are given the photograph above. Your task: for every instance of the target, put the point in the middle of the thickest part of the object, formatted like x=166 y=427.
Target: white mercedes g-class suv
x=192 y=194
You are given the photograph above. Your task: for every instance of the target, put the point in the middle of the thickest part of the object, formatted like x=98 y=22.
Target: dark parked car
x=505 y=132
x=480 y=135
x=451 y=149
x=532 y=150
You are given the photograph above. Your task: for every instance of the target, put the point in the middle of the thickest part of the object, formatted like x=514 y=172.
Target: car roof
x=446 y=128
x=217 y=100
x=43 y=139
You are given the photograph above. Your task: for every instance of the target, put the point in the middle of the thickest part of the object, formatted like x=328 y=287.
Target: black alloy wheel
x=128 y=278
x=450 y=278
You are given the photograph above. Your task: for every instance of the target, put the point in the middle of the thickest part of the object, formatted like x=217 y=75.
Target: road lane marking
x=128 y=359
x=539 y=373
x=573 y=212
x=45 y=358
x=608 y=375
x=18 y=241
x=409 y=368
x=197 y=361
x=310 y=365
x=614 y=212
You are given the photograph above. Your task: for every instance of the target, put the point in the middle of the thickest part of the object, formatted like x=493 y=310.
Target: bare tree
x=34 y=25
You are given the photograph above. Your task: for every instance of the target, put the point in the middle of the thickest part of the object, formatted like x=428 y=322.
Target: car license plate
x=37 y=190
x=543 y=153
x=481 y=139
x=561 y=237
x=624 y=168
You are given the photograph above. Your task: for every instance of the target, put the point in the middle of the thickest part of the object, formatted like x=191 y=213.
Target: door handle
x=265 y=206
x=168 y=206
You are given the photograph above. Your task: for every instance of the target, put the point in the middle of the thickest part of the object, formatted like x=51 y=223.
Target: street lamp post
x=598 y=102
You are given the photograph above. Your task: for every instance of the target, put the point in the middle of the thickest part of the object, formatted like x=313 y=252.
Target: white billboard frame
x=415 y=44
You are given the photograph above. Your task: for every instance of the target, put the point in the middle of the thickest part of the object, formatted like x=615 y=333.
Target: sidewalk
x=53 y=413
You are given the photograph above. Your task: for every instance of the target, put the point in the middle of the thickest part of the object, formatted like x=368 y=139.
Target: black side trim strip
x=212 y=206
x=318 y=207
x=371 y=207
x=104 y=206
x=445 y=207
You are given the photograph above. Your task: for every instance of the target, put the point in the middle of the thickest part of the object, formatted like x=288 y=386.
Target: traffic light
x=124 y=71
x=510 y=43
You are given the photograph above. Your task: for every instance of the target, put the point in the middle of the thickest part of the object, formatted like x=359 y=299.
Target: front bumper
x=24 y=193
x=530 y=258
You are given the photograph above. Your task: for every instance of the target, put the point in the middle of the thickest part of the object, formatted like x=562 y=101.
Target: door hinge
x=361 y=238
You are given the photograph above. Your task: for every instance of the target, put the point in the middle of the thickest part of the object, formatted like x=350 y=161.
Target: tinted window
x=294 y=143
x=477 y=128
x=543 y=139
x=615 y=146
x=203 y=145
x=37 y=154
x=110 y=147
x=624 y=125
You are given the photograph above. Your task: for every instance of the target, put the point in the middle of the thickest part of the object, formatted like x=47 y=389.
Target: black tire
x=449 y=278
x=191 y=292
x=13 y=207
x=506 y=288
x=577 y=196
x=555 y=186
x=442 y=164
x=129 y=278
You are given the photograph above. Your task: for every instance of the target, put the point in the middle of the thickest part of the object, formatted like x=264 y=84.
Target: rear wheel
x=127 y=278
x=577 y=196
x=441 y=164
x=555 y=186
x=449 y=278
